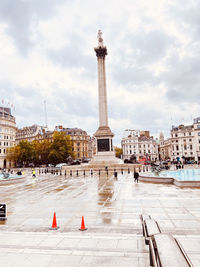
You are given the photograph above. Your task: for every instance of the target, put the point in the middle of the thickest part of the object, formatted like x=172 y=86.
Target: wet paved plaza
x=111 y=208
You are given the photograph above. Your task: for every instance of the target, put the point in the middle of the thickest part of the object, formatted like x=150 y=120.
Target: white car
x=60 y=165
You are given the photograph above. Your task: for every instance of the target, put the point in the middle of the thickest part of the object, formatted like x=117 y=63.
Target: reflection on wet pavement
x=103 y=200
x=111 y=208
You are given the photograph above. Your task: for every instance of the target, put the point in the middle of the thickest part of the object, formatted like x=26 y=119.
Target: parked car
x=59 y=165
x=190 y=162
x=75 y=162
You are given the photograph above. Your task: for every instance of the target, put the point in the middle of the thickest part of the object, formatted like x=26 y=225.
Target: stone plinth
x=105 y=158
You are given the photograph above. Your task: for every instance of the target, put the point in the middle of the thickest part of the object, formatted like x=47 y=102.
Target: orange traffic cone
x=82 y=225
x=54 y=223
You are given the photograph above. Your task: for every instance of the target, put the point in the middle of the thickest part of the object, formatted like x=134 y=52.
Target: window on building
x=130 y=151
x=176 y=135
x=198 y=126
x=190 y=140
x=177 y=153
x=4 y=151
x=191 y=153
x=190 y=133
x=0 y=150
x=184 y=140
x=176 y=147
x=185 y=147
x=199 y=134
x=190 y=146
x=184 y=134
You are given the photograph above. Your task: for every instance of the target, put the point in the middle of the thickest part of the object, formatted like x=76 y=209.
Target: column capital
x=101 y=51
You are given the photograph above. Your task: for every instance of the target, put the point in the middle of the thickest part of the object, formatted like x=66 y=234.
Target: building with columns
x=140 y=144
x=164 y=148
x=7 y=135
x=80 y=140
x=184 y=143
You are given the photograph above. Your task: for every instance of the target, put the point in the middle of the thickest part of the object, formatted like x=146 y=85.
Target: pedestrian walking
x=136 y=177
x=33 y=172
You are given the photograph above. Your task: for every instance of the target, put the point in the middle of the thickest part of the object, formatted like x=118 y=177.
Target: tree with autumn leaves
x=45 y=152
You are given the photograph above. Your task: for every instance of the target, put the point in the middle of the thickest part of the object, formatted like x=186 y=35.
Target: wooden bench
x=149 y=227
x=165 y=251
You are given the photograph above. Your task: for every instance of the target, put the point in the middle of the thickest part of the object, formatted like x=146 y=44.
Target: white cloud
x=46 y=53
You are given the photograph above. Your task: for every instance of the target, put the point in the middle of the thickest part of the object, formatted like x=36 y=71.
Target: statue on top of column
x=100 y=39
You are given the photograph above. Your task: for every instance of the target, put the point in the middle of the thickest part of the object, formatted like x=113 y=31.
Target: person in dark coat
x=136 y=176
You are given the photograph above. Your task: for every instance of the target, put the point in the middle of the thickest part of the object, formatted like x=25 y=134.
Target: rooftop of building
x=71 y=131
x=182 y=127
x=6 y=113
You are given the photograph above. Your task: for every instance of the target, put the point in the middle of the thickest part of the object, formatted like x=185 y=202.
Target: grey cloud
x=133 y=76
x=188 y=16
x=73 y=56
x=151 y=46
x=21 y=16
x=147 y=48
x=183 y=79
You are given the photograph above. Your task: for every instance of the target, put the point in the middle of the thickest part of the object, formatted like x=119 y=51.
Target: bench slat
x=169 y=251
x=151 y=227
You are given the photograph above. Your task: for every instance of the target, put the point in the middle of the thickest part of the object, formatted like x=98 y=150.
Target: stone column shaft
x=103 y=113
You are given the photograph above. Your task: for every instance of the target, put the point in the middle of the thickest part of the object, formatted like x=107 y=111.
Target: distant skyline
x=153 y=62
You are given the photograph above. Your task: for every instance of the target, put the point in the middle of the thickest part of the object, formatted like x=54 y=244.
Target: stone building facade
x=140 y=144
x=7 y=135
x=79 y=137
x=185 y=141
x=80 y=140
x=30 y=133
x=164 y=148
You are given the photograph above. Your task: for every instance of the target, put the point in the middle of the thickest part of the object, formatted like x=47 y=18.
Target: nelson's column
x=104 y=135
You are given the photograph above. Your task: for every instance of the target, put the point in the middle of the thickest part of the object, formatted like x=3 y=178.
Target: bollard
x=107 y=172
x=91 y=172
x=77 y=173
x=42 y=170
x=65 y=173
x=99 y=172
x=115 y=174
x=39 y=171
x=139 y=170
x=143 y=169
x=45 y=171
x=60 y=172
x=84 y=172
x=70 y=172
x=121 y=171
x=128 y=170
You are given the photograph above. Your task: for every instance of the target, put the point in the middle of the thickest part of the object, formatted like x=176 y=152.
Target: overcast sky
x=153 y=62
